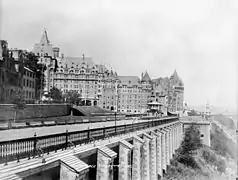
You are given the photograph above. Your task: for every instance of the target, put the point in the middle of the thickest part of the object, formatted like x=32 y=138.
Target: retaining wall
x=7 y=111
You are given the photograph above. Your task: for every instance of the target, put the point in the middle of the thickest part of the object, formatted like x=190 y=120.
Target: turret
x=56 y=52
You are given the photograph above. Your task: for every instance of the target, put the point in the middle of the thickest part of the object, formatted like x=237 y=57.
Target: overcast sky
x=198 y=38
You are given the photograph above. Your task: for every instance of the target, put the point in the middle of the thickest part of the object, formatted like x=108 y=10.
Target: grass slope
x=205 y=163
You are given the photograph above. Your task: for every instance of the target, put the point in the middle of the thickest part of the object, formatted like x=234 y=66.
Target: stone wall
x=7 y=111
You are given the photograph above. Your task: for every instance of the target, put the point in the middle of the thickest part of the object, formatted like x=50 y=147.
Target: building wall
x=10 y=77
x=97 y=85
x=29 y=85
x=130 y=99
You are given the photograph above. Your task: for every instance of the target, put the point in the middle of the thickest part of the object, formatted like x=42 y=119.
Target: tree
x=73 y=97
x=56 y=94
x=191 y=141
x=19 y=103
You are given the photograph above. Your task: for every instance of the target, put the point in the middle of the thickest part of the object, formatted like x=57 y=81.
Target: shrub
x=213 y=159
x=191 y=141
x=188 y=160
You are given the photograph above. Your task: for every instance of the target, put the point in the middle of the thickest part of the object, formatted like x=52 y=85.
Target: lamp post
x=115 y=122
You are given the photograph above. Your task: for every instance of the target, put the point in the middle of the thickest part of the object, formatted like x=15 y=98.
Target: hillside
x=205 y=163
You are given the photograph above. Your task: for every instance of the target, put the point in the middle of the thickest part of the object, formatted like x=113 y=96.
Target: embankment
x=207 y=163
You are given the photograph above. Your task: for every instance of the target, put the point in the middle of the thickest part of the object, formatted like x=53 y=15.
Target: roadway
x=13 y=134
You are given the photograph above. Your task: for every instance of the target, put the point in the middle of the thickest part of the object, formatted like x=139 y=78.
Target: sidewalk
x=13 y=134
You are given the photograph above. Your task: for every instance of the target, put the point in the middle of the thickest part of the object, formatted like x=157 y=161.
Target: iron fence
x=37 y=145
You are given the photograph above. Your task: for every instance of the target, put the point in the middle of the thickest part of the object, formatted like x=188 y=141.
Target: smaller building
x=29 y=85
x=154 y=109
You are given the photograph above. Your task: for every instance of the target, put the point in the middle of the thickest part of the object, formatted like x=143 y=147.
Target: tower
x=207 y=109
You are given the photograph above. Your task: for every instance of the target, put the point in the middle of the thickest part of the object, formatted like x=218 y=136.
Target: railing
x=29 y=147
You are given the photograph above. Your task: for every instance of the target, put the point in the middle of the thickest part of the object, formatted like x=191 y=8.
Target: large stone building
x=47 y=55
x=176 y=91
x=134 y=93
x=95 y=83
x=170 y=92
x=100 y=86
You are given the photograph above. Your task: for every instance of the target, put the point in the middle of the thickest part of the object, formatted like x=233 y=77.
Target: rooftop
x=132 y=80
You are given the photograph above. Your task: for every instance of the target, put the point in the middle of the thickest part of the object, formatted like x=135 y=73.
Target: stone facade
x=137 y=159
x=103 y=87
x=67 y=174
x=11 y=72
x=34 y=111
x=104 y=166
x=124 y=162
x=29 y=85
x=147 y=147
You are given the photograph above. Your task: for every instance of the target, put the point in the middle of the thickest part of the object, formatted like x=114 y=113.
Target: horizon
x=198 y=39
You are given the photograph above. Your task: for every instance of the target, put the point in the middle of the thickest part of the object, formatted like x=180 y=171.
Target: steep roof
x=146 y=77
x=132 y=80
x=44 y=38
x=176 y=76
x=78 y=60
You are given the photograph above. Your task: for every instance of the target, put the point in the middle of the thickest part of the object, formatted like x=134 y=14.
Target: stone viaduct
x=143 y=154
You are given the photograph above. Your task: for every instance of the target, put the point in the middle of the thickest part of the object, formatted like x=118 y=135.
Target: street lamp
x=115 y=122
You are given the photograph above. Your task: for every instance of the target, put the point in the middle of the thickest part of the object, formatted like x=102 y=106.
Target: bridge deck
x=14 y=168
x=12 y=134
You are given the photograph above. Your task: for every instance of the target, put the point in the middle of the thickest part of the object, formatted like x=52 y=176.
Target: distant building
x=29 y=85
x=100 y=86
x=11 y=73
x=47 y=55
x=176 y=93
x=159 y=93
x=75 y=73
x=146 y=89
x=134 y=93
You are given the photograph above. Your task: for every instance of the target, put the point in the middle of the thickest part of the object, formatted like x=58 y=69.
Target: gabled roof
x=44 y=38
x=146 y=77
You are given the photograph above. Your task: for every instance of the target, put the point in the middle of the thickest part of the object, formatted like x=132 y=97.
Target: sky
x=198 y=38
